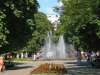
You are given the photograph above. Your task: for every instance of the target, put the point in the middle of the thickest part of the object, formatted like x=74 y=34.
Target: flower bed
x=47 y=69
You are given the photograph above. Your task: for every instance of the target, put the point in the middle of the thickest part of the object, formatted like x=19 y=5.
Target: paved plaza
x=74 y=68
x=24 y=68
x=21 y=68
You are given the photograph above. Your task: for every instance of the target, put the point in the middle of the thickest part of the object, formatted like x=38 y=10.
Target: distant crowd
x=88 y=55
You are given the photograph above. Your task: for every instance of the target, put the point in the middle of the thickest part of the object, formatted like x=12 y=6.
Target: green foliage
x=21 y=25
x=41 y=28
x=17 y=17
x=81 y=22
x=3 y=29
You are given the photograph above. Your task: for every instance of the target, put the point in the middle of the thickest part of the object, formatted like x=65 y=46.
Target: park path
x=22 y=68
x=17 y=72
x=74 y=68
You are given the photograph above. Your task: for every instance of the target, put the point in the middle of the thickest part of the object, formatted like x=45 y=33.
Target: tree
x=81 y=20
x=38 y=36
x=17 y=17
x=3 y=29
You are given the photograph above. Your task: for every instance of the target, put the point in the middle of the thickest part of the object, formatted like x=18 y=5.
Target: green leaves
x=42 y=26
x=18 y=13
x=17 y=22
x=21 y=25
x=81 y=21
x=3 y=29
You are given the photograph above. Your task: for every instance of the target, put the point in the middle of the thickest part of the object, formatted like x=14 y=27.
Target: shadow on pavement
x=83 y=71
x=81 y=63
x=18 y=67
x=18 y=63
x=81 y=68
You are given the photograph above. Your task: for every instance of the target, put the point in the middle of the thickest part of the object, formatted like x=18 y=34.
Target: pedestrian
x=89 y=56
x=2 y=66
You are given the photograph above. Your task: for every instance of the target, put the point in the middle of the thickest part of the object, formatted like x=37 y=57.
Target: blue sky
x=47 y=5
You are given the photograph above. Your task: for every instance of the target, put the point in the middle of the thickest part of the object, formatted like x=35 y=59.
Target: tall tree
x=18 y=16
x=81 y=19
x=38 y=36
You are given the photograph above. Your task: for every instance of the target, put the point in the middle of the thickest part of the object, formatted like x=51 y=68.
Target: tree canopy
x=81 y=20
x=3 y=29
x=21 y=25
x=38 y=36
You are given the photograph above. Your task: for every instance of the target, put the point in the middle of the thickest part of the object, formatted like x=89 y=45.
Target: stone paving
x=21 y=68
x=24 y=68
x=25 y=71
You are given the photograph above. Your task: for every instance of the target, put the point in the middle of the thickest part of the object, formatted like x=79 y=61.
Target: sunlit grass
x=22 y=59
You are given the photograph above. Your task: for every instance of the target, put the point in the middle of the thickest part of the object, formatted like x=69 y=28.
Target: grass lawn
x=24 y=59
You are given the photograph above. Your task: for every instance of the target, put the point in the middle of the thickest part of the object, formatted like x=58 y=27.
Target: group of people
x=88 y=55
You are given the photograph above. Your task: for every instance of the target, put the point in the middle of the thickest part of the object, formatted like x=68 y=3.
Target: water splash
x=55 y=51
x=61 y=48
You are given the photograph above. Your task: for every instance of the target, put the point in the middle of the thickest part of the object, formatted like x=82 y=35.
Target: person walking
x=2 y=66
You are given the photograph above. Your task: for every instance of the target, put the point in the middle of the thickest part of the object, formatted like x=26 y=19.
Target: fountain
x=55 y=51
x=61 y=48
x=48 y=51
